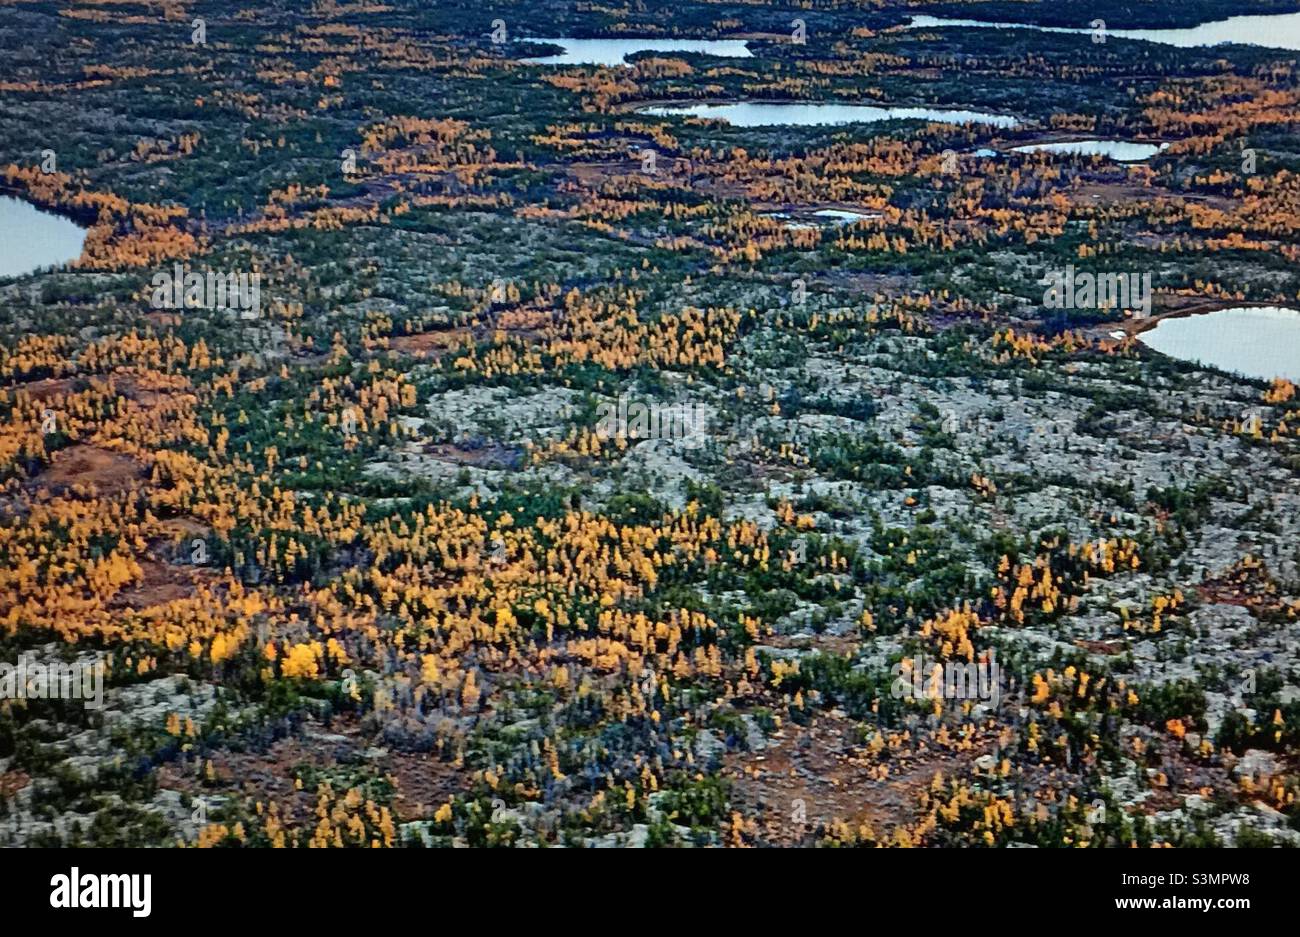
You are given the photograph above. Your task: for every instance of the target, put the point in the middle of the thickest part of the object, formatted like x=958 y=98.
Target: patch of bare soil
x=524 y=322
x=593 y=175
x=109 y=472
x=11 y=782
x=677 y=170
x=1247 y=584
x=819 y=773
x=183 y=528
x=1100 y=647
x=161 y=584
x=429 y=344
x=871 y=283
x=489 y=456
x=1093 y=192
x=421 y=781
x=838 y=644
x=269 y=774
x=1179 y=776
x=44 y=390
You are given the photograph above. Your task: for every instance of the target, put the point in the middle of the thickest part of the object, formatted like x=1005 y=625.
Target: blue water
x=31 y=239
x=1119 y=150
x=1272 y=31
x=754 y=114
x=1259 y=342
x=615 y=51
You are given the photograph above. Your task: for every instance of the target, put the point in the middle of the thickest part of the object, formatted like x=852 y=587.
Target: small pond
x=1261 y=342
x=31 y=239
x=762 y=114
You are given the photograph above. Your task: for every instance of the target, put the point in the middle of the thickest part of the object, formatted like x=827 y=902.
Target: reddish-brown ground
x=823 y=766
x=1100 y=647
x=485 y=457
x=421 y=781
x=109 y=472
x=428 y=344
x=184 y=528
x=11 y=782
x=1094 y=192
x=42 y=391
x=162 y=583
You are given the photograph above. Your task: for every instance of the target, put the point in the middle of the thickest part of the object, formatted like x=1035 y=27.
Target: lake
x=844 y=216
x=1270 y=31
x=825 y=216
x=31 y=239
x=1118 y=150
x=756 y=114
x=1261 y=342
x=615 y=51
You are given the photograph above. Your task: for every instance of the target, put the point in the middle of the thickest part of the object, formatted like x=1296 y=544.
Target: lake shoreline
x=37 y=238
x=1199 y=34
x=82 y=217
x=1252 y=341
x=1041 y=143
x=1135 y=327
x=581 y=49
x=640 y=106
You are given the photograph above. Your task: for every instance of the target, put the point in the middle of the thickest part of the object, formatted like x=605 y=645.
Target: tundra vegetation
x=573 y=482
